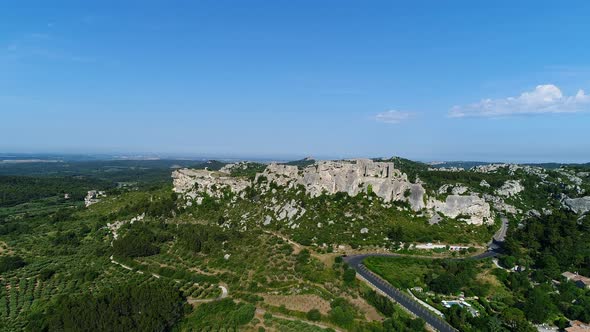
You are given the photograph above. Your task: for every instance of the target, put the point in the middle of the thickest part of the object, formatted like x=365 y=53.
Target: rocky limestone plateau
x=192 y=182
x=511 y=168
x=330 y=177
x=351 y=177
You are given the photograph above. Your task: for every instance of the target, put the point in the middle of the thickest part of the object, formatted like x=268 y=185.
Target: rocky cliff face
x=330 y=177
x=351 y=177
x=192 y=182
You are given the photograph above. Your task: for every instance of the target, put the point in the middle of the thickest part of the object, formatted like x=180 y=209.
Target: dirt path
x=296 y=246
x=224 y=294
x=120 y=264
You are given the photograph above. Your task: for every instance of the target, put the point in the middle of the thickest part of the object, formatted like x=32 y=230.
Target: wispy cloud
x=393 y=117
x=40 y=45
x=543 y=99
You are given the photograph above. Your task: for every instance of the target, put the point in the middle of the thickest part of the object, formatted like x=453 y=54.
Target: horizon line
x=138 y=156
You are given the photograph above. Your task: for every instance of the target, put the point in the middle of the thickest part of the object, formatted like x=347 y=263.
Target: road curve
x=403 y=299
x=438 y=323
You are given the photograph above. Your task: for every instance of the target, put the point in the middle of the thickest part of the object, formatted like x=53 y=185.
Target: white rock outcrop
x=472 y=206
x=192 y=182
x=571 y=176
x=455 y=189
x=484 y=183
x=500 y=205
x=289 y=211
x=331 y=177
x=234 y=166
x=511 y=168
x=93 y=197
x=446 y=169
x=351 y=177
x=578 y=205
x=510 y=188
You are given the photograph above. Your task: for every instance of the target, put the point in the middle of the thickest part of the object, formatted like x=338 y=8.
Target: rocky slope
x=194 y=182
x=351 y=177
x=347 y=176
x=578 y=205
x=476 y=209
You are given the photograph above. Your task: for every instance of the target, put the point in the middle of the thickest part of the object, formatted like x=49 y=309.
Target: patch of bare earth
x=488 y=278
x=371 y=314
x=327 y=259
x=302 y=303
x=4 y=248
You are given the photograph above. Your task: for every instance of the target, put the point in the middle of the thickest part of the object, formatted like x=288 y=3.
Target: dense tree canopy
x=153 y=306
x=219 y=315
x=139 y=241
x=553 y=243
x=8 y=263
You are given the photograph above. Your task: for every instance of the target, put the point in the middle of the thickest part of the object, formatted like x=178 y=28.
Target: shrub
x=342 y=313
x=9 y=263
x=314 y=315
x=138 y=242
x=349 y=275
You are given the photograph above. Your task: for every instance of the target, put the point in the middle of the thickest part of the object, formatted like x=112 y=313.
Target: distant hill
x=459 y=164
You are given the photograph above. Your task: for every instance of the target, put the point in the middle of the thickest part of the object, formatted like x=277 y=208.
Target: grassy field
x=401 y=272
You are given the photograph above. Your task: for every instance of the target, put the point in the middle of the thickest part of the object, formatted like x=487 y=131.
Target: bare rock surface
x=510 y=188
x=484 y=184
x=499 y=204
x=472 y=206
x=511 y=168
x=191 y=182
x=578 y=205
x=455 y=189
x=330 y=177
x=435 y=219
x=351 y=177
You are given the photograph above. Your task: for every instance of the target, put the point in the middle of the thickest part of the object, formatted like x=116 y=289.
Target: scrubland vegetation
x=67 y=267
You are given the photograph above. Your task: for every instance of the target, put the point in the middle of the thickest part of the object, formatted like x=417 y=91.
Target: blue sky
x=428 y=80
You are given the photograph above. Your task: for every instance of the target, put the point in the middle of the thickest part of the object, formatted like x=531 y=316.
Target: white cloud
x=542 y=100
x=393 y=116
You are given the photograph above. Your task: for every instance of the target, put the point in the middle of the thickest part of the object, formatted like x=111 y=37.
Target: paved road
x=402 y=298
x=356 y=262
x=500 y=235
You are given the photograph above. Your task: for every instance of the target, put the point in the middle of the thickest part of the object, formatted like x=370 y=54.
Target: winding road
x=438 y=323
